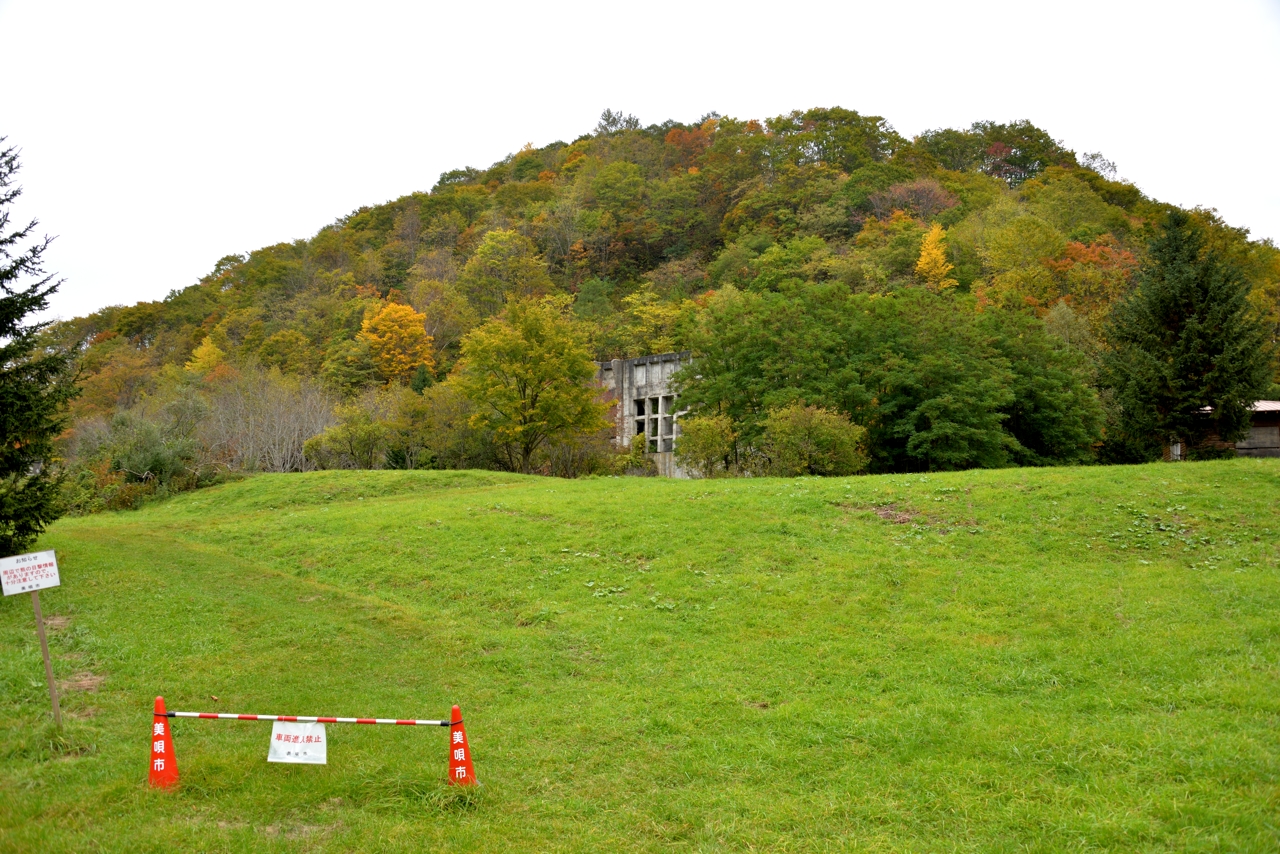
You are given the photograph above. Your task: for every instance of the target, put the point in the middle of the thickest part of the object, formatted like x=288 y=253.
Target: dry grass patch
x=85 y=681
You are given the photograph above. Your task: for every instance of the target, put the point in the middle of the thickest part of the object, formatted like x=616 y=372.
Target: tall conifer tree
x=35 y=381
x=1188 y=358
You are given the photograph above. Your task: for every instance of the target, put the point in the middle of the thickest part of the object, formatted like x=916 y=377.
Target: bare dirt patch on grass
x=895 y=513
x=299 y=831
x=892 y=513
x=85 y=681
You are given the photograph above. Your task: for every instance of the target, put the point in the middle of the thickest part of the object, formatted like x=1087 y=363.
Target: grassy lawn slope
x=1014 y=660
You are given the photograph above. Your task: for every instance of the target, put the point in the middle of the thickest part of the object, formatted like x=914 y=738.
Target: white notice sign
x=297 y=742
x=25 y=573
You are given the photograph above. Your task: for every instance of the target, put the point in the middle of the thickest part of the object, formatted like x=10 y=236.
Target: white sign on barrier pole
x=298 y=742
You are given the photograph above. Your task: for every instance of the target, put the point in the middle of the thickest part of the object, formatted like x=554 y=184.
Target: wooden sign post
x=33 y=573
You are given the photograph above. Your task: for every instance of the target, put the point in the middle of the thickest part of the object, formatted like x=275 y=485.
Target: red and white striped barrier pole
x=304 y=719
x=164 y=765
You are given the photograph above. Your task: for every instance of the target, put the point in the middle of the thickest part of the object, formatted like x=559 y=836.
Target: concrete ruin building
x=643 y=404
x=1263 y=439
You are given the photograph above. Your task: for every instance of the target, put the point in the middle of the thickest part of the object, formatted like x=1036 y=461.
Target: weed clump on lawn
x=46 y=742
x=397 y=791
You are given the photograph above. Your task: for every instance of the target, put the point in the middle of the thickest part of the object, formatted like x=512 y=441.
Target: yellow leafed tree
x=933 y=266
x=205 y=358
x=398 y=341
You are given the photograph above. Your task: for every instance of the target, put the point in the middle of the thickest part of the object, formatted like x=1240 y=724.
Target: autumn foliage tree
x=1093 y=276
x=933 y=267
x=206 y=357
x=398 y=341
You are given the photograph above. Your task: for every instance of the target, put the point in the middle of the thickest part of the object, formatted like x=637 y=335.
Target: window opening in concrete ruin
x=641 y=428
x=654 y=414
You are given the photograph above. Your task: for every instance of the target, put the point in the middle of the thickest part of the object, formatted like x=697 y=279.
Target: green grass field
x=1016 y=660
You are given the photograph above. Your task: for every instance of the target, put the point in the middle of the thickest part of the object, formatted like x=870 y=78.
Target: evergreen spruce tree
x=35 y=381
x=1188 y=359
x=422 y=380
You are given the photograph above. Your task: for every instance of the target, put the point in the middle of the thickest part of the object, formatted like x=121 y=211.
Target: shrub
x=637 y=462
x=580 y=456
x=801 y=439
x=357 y=441
x=706 y=444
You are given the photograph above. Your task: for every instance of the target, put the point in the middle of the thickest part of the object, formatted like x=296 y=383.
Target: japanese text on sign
x=29 y=572
x=298 y=742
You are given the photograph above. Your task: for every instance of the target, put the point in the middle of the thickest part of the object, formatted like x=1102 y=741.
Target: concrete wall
x=643 y=403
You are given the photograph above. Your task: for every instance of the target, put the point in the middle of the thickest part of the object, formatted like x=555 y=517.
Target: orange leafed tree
x=690 y=143
x=398 y=341
x=1093 y=276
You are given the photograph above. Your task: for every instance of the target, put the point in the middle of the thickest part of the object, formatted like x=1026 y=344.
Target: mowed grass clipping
x=1017 y=660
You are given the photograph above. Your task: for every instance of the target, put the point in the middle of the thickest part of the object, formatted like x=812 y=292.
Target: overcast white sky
x=158 y=137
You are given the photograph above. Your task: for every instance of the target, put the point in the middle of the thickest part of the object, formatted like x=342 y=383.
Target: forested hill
x=638 y=225
x=630 y=217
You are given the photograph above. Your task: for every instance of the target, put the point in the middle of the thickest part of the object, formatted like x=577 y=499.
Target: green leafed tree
x=506 y=266
x=1188 y=356
x=529 y=376
x=937 y=385
x=1055 y=416
x=36 y=382
x=349 y=367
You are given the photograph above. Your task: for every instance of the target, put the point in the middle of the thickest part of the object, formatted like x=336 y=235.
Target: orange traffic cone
x=164 y=764
x=461 y=772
